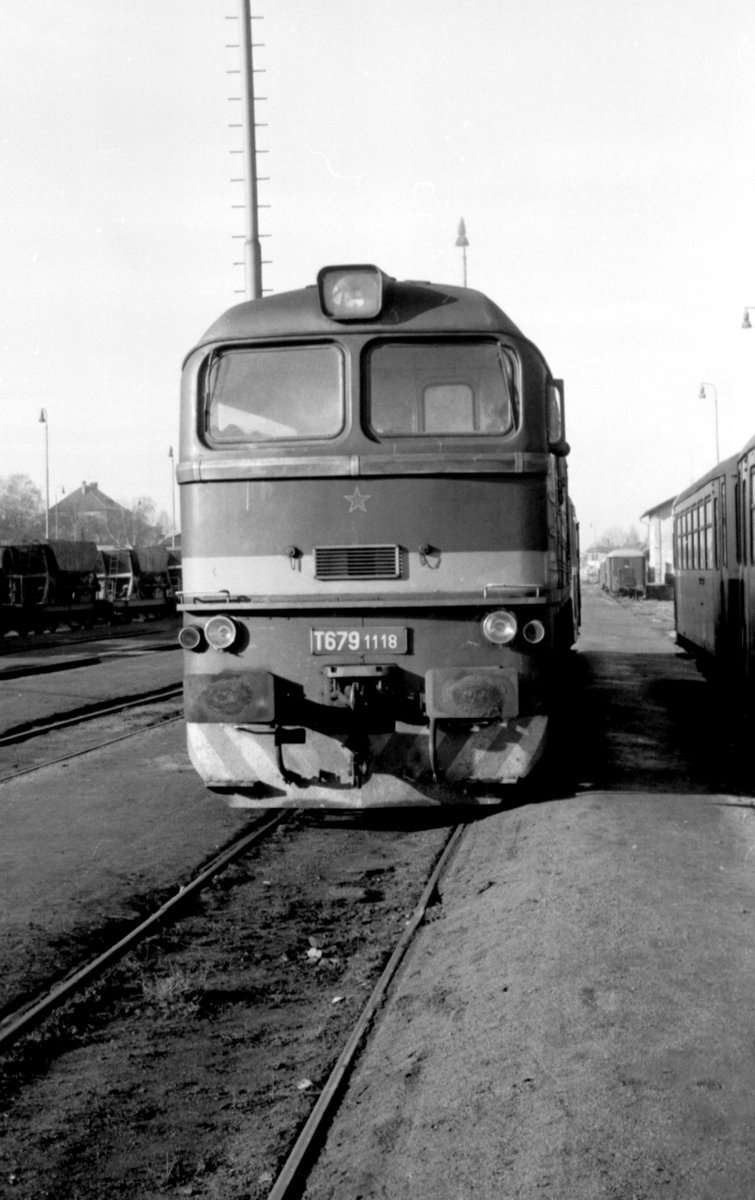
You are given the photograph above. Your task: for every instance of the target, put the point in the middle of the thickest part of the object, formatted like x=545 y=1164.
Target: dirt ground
x=185 y=1072
x=569 y=1023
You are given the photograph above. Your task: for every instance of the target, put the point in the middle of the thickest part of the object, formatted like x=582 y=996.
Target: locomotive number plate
x=378 y=639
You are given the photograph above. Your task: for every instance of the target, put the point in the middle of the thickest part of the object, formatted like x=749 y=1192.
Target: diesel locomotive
x=379 y=553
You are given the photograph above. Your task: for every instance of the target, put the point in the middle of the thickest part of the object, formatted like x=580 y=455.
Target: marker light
x=191 y=637
x=534 y=632
x=221 y=632
x=350 y=293
x=500 y=627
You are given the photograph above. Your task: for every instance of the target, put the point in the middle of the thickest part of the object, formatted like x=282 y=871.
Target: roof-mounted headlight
x=350 y=293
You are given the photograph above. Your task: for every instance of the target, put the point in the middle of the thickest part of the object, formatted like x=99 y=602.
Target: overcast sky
x=600 y=151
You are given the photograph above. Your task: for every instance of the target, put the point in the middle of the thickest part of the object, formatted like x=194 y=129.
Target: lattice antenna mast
x=252 y=261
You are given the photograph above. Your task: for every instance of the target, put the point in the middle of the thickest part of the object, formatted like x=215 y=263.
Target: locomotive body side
x=377 y=550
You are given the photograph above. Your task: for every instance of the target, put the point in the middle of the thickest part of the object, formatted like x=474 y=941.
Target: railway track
x=34 y=729
x=292 y=1175
x=21 y=1019
x=24 y=668
x=261 y=974
x=11 y=646
x=38 y=729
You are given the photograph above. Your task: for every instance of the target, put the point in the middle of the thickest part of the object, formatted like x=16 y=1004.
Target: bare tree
x=22 y=513
x=617 y=538
x=146 y=528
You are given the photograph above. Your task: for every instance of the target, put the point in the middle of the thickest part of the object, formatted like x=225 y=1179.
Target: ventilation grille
x=357 y=562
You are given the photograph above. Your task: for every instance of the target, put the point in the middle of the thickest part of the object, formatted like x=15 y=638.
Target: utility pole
x=43 y=421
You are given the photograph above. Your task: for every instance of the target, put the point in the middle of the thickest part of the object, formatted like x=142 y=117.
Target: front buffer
x=322 y=772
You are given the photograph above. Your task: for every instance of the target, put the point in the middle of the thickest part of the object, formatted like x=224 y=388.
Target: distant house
x=89 y=515
x=660 y=549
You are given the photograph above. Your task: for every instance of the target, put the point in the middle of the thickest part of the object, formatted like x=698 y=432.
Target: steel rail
x=89 y=658
x=103 y=709
x=24 y=1020
x=111 y=741
x=291 y=1177
x=23 y=644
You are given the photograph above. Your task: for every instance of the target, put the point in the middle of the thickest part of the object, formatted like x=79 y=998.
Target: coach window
x=738 y=533
x=441 y=389
x=276 y=393
x=710 y=548
x=687 y=539
x=702 y=561
x=752 y=514
x=676 y=544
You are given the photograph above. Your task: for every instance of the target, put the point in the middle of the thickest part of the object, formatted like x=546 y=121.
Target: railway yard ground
x=571 y=1020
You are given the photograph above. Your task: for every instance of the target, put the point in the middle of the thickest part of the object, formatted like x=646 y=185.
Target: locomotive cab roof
x=359 y=298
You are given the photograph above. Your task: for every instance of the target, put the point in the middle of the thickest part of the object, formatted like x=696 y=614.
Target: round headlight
x=534 y=632
x=500 y=627
x=190 y=637
x=221 y=632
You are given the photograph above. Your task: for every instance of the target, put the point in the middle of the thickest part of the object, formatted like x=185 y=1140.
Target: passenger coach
x=379 y=551
x=707 y=585
x=714 y=548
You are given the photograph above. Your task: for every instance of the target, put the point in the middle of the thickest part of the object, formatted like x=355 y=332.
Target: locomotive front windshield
x=421 y=388
x=265 y=394
x=409 y=389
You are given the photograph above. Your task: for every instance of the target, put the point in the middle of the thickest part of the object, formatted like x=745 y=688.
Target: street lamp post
x=463 y=242
x=62 y=492
x=172 y=497
x=702 y=394
x=43 y=421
